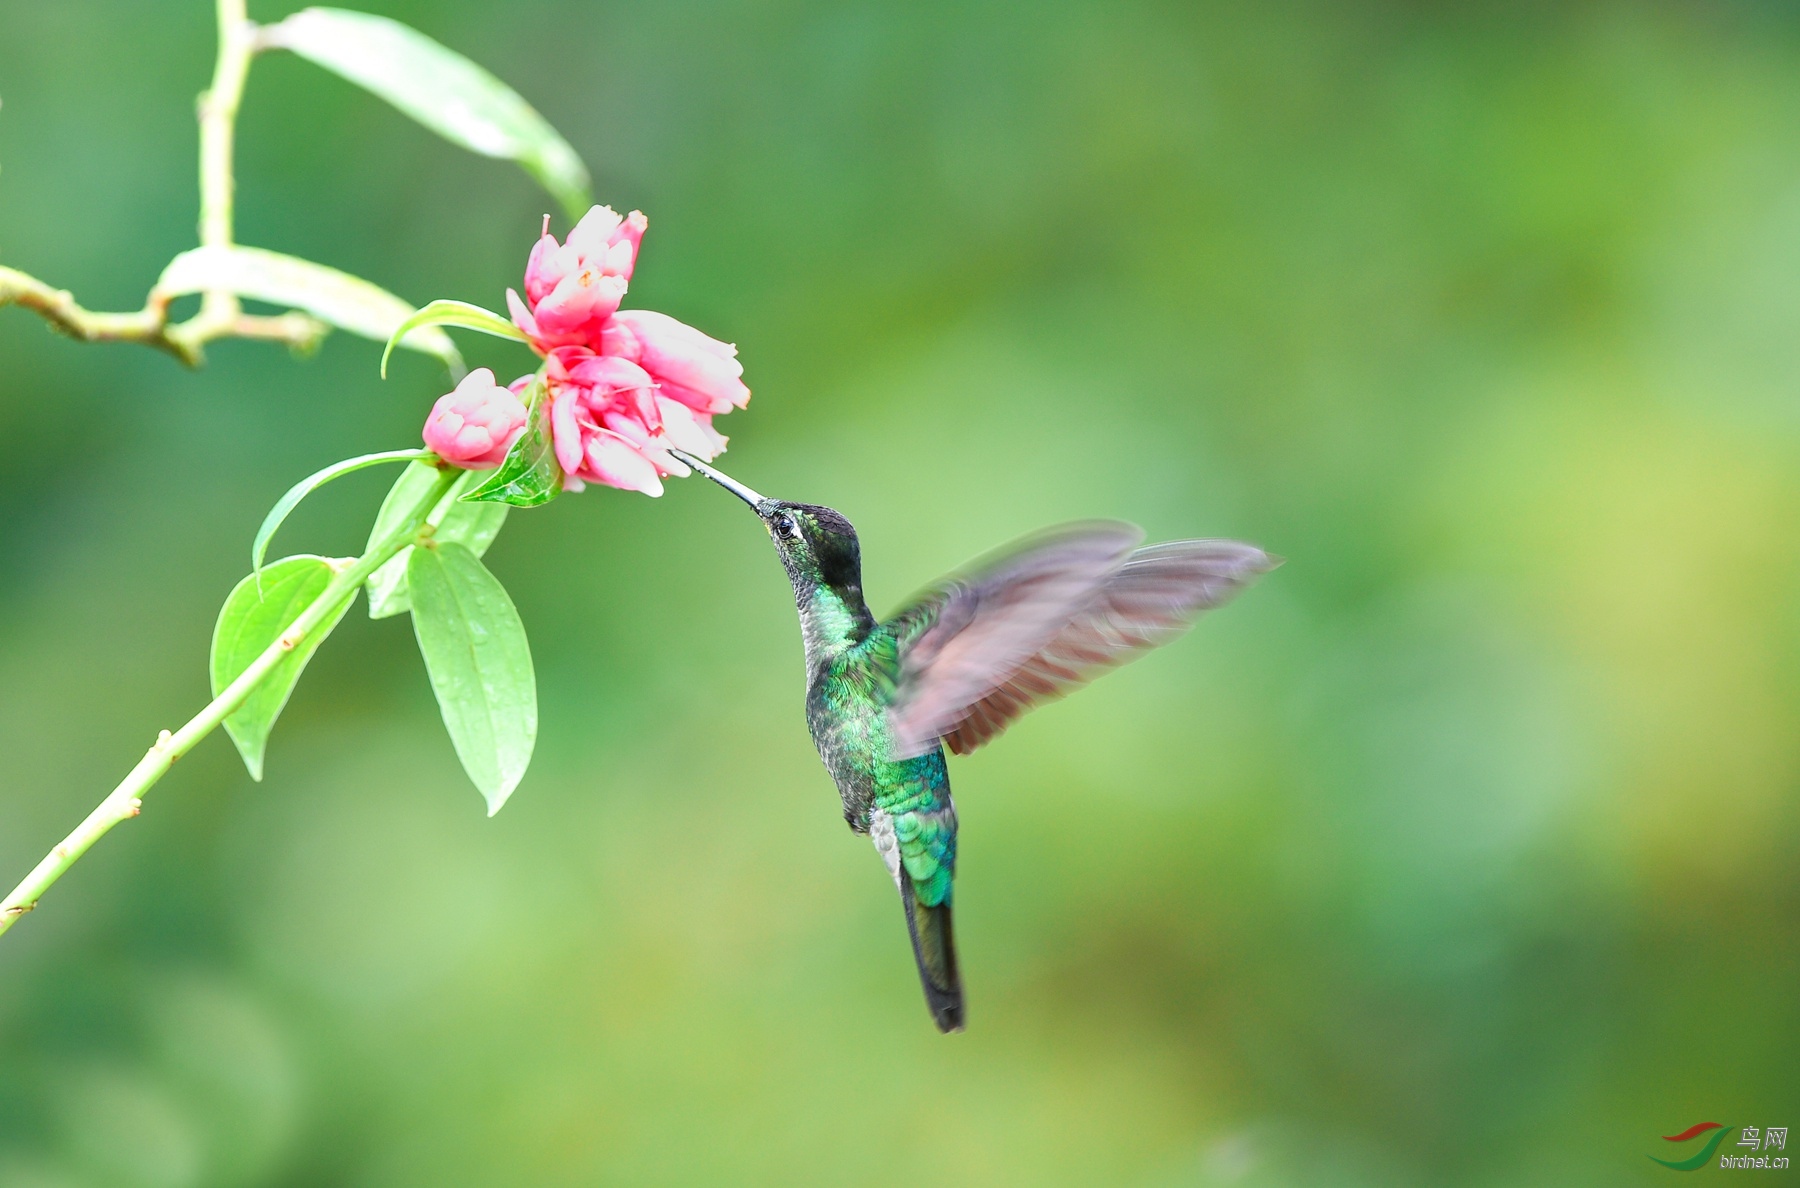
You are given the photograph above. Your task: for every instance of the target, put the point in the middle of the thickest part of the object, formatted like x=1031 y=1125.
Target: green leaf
x=471 y=524
x=444 y=312
x=346 y=301
x=312 y=482
x=530 y=475
x=253 y=617
x=439 y=88
x=480 y=665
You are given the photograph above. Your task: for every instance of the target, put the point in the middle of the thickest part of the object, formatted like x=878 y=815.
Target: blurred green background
x=1460 y=851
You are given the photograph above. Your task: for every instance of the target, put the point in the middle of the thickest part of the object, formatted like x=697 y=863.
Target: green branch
x=150 y=325
x=218 y=109
x=125 y=800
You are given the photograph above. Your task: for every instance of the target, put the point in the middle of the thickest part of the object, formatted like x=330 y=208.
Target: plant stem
x=220 y=314
x=218 y=109
x=150 y=325
x=62 y=311
x=124 y=801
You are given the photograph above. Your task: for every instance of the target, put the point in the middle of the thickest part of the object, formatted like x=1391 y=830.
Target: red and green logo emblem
x=1700 y=1157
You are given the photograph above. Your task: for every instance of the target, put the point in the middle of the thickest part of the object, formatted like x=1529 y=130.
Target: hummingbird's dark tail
x=934 y=945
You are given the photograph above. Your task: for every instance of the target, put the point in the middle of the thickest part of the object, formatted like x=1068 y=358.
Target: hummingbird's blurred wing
x=963 y=637
x=1044 y=619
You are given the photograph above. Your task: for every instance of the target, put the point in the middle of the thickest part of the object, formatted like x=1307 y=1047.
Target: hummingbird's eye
x=787 y=526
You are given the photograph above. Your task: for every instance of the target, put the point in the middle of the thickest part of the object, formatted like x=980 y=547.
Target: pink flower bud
x=475 y=425
x=572 y=287
x=603 y=236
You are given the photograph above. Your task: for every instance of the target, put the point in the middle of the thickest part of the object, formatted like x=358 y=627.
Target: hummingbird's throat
x=831 y=620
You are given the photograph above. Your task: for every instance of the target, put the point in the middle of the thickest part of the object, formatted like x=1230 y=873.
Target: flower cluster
x=624 y=386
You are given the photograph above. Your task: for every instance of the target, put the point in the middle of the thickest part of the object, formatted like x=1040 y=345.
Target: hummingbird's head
x=816 y=543
x=818 y=546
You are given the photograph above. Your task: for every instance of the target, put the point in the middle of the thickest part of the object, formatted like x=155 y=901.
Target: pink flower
x=701 y=372
x=624 y=386
x=610 y=425
x=573 y=287
x=474 y=426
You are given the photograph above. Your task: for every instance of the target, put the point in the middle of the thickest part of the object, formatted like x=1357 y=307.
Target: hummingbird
x=957 y=664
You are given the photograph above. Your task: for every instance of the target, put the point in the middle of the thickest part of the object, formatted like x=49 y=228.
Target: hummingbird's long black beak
x=724 y=480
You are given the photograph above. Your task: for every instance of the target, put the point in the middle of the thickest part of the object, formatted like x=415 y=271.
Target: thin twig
x=124 y=801
x=217 y=111
x=62 y=311
x=150 y=325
